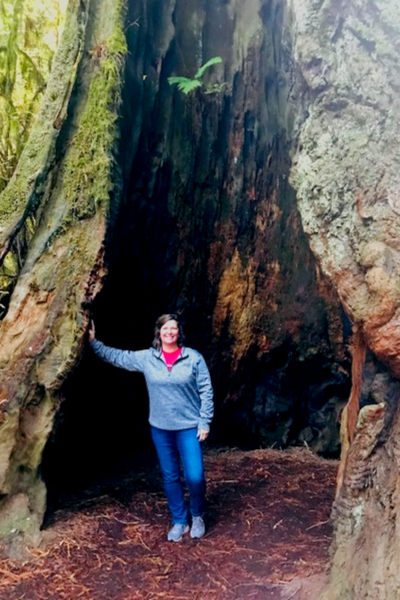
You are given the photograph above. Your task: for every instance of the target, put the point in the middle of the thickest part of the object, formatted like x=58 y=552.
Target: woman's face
x=169 y=332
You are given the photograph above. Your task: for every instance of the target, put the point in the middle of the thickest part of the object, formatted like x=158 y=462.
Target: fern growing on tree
x=187 y=85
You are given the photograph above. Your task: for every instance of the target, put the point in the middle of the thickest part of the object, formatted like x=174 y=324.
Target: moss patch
x=87 y=181
x=22 y=193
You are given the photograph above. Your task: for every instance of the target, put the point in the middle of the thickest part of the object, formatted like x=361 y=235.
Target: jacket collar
x=184 y=353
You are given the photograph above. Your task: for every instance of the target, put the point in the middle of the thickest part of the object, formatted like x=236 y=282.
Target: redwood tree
x=346 y=172
x=307 y=89
x=53 y=216
x=208 y=223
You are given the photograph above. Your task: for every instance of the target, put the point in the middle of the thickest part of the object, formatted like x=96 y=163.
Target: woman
x=181 y=410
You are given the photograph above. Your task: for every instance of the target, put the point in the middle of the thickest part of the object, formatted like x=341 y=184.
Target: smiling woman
x=181 y=409
x=168 y=333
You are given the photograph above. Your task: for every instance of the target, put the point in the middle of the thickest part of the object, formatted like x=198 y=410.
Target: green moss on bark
x=63 y=269
x=36 y=157
x=87 y=181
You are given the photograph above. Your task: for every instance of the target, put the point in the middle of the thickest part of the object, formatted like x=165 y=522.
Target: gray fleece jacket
x=179 y=399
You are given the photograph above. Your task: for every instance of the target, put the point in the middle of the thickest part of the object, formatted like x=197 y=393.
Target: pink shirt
x=171 y=357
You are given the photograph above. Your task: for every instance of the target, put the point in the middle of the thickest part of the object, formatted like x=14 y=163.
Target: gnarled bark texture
x=65 y=179
x=346 y=172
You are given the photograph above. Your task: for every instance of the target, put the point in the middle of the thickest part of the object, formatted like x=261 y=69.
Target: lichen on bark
x=345 y=170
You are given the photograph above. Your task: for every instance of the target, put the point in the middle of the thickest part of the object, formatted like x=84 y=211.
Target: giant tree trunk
x=346 y=171
x=57 y=201
x=210 y=225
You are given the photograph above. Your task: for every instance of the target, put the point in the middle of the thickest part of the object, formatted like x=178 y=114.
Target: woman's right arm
x=124 y=359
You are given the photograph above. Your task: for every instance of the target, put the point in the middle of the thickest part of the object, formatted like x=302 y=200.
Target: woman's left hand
x=202 y=434
x=92 y=331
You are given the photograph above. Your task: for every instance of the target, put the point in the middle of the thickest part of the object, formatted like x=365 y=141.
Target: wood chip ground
x=268 y=536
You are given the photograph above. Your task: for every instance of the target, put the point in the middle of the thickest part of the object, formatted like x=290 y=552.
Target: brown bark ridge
x=351 y=411
x=43 y=332
x=347 y=99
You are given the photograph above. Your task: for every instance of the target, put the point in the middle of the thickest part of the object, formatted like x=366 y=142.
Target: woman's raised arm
x=124 y=359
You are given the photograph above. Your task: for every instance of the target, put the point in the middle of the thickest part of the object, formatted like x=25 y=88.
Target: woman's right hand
x=92 y=331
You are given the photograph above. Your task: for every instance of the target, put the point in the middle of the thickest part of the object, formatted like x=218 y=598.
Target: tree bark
x=64 y=183
x=23 y=195
x=347 y=99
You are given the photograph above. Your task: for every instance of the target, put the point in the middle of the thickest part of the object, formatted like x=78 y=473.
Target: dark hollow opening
x=206 y=226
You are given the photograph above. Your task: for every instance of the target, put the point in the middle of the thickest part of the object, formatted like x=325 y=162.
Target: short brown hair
x=160 y=322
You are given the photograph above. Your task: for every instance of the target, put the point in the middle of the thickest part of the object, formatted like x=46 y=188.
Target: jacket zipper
x=180 y=357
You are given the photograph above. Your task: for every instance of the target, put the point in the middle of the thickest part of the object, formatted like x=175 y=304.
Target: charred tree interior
x=209 y=228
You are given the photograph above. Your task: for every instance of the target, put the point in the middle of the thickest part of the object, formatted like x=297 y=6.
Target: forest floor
x=268 y=536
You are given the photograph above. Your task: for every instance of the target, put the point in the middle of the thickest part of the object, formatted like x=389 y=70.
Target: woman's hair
x=159 y=323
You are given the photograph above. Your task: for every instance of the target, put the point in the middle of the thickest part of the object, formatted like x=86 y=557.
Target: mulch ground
x=268 y=537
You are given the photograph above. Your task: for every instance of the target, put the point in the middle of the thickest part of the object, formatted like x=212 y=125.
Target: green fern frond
x=184 y=84
x=177 y=80
x=213 y=61
x=187 y=85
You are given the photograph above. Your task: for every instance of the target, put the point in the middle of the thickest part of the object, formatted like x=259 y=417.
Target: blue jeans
x=172 y=446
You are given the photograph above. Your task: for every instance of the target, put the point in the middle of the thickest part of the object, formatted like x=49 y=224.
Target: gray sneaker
x=198 y=528
x=175 y=534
